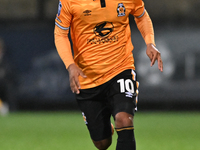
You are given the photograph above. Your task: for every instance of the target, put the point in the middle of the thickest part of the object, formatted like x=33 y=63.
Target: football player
x=101 y=70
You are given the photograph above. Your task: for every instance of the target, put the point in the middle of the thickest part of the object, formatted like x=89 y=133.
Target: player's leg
x=124 y=125
x=123 y=96
x=125 y=130
x=97 y=118
x=105 y=143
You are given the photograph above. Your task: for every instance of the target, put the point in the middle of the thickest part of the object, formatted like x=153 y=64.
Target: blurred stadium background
x=34 y=82
x=34 y=78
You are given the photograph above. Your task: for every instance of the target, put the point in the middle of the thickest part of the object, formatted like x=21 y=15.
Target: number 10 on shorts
x=126 y=85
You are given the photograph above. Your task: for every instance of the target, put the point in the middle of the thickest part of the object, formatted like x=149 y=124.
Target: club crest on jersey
x=121 y=10
x=59 y=8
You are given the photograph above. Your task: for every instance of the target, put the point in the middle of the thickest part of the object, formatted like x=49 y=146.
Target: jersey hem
x=92 y=85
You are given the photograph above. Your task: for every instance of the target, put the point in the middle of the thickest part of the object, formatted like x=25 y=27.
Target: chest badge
x=121 y=10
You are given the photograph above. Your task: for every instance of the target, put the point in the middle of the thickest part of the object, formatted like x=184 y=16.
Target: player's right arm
x=61 y=31
x=63 y=46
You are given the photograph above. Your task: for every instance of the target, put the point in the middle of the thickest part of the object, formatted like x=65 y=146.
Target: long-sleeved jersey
x=101 y=36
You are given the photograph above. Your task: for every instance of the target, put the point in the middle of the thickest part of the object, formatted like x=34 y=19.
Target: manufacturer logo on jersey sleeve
x=59 y=8
x=121 y=10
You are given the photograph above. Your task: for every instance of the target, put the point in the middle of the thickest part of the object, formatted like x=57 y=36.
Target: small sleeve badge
x=59 y=8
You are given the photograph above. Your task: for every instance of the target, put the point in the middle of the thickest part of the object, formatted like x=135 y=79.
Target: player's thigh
x=96 y=114
x=123 y=93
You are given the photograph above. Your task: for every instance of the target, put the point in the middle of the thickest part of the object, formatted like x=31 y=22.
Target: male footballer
x=101 y=69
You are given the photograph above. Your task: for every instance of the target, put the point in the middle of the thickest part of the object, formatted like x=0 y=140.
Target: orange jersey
x=101 y=37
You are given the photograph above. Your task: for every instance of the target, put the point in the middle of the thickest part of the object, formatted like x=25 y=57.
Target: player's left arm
x=153 y=54
x=145 y=26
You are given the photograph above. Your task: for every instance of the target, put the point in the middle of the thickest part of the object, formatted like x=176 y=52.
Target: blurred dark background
x=32 y=76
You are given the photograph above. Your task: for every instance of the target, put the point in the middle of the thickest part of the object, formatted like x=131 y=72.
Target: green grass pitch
x=67 y=131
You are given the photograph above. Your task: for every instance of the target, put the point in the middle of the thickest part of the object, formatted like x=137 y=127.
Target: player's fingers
x=73 y=85
x=153 y=59
x=150 y=55
x=83 y=75
x=77 y=85
x=160 y=64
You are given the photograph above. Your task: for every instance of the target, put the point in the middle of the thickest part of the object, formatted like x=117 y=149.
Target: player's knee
x=103 y=144
x=123 y=119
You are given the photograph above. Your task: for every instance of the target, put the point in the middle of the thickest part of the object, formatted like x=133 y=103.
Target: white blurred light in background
x=4 y=108
x=152 y=75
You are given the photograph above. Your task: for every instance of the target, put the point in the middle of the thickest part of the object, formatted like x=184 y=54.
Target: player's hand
x=153 y=54
x=74 y=73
